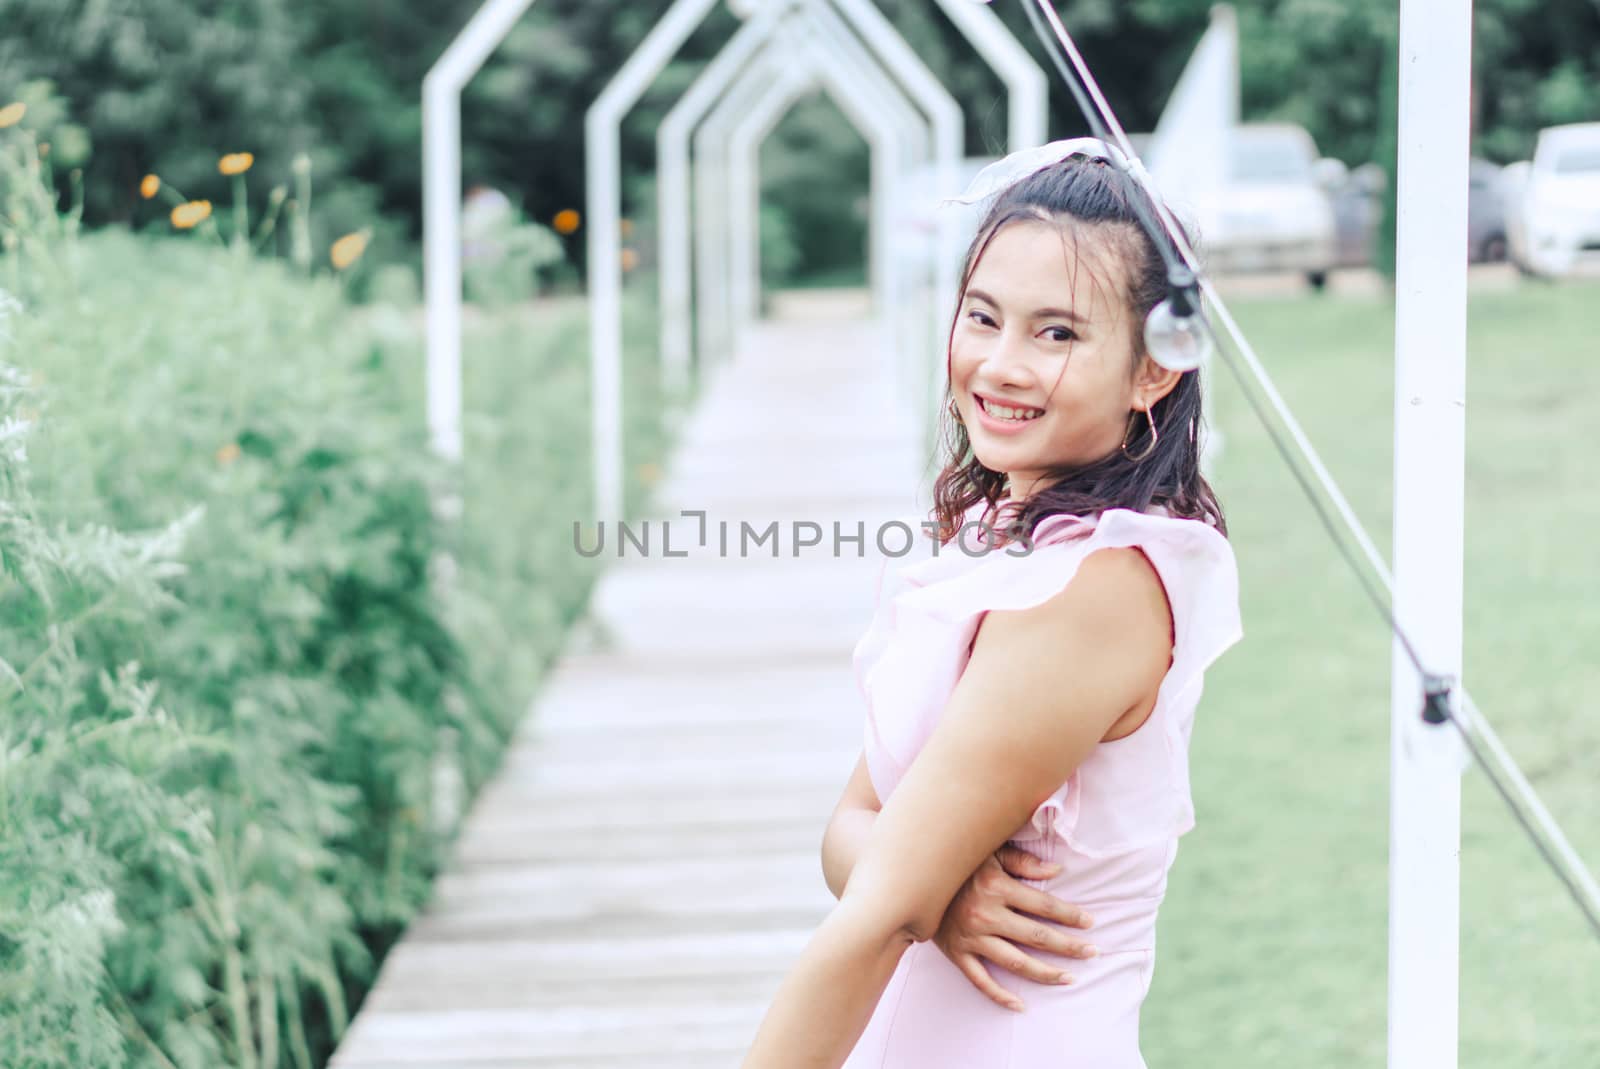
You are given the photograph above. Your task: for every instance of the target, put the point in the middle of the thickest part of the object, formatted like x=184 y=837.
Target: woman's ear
x=1154 y=381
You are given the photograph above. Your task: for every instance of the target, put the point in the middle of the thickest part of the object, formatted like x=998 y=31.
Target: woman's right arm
x=986 y=919
x=848 y=828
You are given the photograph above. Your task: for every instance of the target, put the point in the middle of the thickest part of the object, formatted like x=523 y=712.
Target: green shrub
x=82 y=750
x=208 y=880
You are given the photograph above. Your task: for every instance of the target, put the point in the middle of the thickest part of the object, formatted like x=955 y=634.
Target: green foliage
x=505 y=256
x=227 y=746
x=304 y=655
x=78 y=749
x=815 y=172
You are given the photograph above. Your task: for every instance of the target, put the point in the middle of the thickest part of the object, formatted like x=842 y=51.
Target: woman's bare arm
x=1042 y=687
x=848 y=828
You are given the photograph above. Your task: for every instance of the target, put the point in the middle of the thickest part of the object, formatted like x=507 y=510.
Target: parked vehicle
x=1276 y=212
x=1358 y=213
x=1486 y=212
x=1553 y=202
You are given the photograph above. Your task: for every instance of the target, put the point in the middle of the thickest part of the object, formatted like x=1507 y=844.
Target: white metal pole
x=441 y=212
x=602 y=151
x=877 y=107
x=1027 y=89
x=1426 y=760
x=441 y=242
x=742 y=160
x=949 y=139
x=673 y=210
x=888 y=281
x=711 y=216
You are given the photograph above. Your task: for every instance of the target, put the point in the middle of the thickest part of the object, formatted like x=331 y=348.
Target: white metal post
x=674 y=190
x=1027 y=90
x=602 y=151
x=949 y=145
x=672 y=187
x=914 y=131
x=441 y=211
x=932 y=97
x=740 y=157
x=1426 y=760
x=903 y=310
x=878 y=108
x=713 y=335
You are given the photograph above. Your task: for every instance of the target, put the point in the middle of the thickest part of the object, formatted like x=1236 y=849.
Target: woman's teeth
x=1018 y=414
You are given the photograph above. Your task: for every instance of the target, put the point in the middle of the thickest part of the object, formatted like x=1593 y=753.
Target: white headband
x=1018 y=165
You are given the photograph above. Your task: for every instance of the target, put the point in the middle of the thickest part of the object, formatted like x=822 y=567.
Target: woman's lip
x=995 y=424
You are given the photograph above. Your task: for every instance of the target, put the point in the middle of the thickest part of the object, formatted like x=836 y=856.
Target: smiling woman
x=1039 y=700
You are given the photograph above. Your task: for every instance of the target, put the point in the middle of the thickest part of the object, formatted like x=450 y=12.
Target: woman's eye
x=1061 y=334
x=979 y=317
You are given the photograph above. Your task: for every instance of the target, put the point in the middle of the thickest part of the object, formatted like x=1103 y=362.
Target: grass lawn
x=1273 y=939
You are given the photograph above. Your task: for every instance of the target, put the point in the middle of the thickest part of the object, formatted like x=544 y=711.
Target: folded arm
x=1042 y=686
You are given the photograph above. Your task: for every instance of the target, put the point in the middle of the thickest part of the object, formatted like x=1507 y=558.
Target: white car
x=1275 y=212
x=1553 y=201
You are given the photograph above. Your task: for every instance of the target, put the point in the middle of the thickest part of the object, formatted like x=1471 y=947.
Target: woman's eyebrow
x=1039 y=313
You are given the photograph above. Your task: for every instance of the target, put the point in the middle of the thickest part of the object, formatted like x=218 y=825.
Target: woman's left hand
x=986 y=919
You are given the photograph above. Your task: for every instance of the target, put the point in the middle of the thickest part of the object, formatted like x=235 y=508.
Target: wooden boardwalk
x=631 y=886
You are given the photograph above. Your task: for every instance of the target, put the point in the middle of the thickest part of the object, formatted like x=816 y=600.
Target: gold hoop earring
x=1154 y=437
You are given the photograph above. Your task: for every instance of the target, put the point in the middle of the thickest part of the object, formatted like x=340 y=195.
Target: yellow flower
x=630 y=259
x=228 y=454
x=12 y=114
x=149 y=186
x=348 y=249
x=235 y=163
x=191 y=214
x=566 y=221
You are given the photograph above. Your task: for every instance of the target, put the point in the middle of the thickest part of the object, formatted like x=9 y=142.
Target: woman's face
x=1041 y=356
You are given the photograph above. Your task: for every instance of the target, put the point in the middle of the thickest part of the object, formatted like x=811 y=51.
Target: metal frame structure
x=1425 y=760
x=916 y=147
x=724 y=175
x=893 y=53
x=1027 y=90
x=673 y=210
x=728 y=166
x=854 y=62
x=441 y=94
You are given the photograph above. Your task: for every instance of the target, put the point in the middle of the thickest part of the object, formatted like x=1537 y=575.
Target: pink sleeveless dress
x=1113 y=826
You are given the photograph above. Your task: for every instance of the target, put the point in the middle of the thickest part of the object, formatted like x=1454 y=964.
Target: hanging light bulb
x=1175 y=334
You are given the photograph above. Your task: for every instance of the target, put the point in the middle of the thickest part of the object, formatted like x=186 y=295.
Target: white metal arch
x=719 y=202
x=846 y=50
x=732 y=132
x=673 y=168
x=672 y=187
x=875 y=89
x=753 y=89
x=893 y=53
x=442 y=197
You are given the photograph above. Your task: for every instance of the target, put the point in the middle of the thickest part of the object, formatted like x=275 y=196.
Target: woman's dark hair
x=1078 y=191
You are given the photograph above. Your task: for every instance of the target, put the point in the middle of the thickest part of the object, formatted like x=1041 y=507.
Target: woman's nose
x=1006 y=360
